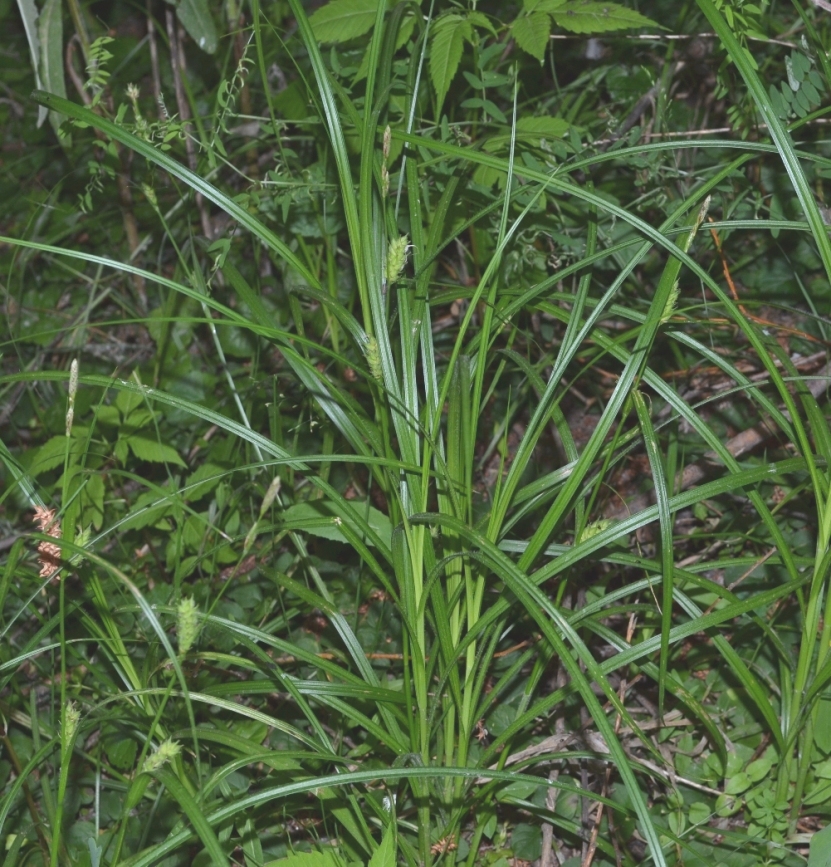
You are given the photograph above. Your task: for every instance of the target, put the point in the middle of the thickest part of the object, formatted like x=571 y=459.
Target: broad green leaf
x=202 y=481
x=29 y=14
x=50 y=32
x=589 y=16
x=306 y=859
x=196 y=19
x=309 y=516
x=49 y=456
x=822 y=727
x=384 y=855
x=341 y=20
x=819 y=854
x=542 y=127
x=449 y=35
x=531 y=33
x=526 y=841
x=149 y=450
x=544 y=5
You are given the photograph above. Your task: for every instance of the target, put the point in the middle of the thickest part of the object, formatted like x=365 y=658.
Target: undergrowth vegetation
x=414 y=434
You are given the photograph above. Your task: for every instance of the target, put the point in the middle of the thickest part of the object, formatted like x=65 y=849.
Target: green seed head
x=187 y=624
x=669 y=307
x=73 y=717
x=373 y=358
x=594 y=529
x=167 y=751
x=396 y=258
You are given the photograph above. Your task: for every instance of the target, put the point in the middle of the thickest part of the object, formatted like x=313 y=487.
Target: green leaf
x=313 y=518
x=822 y=727
x=29 y=14
x=384 y=855
x=121 y=751
x=306 y=859
x=202 y=481
x=590 y=16
x=149 y=450
x=196 y=19
x=544 y=5
x=699 y=812
x=197 y=818
x=50 y=455
x=449 y=35
x=50 y=31
x=526 y=841
x=541 y=127
x=819 y=855
x=531 y=33
x=342 y=20
x=737 y=784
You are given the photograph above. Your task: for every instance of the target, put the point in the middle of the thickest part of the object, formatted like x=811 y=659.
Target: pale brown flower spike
x=49 y=554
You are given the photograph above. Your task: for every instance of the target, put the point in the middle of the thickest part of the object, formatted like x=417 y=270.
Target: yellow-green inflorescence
x=167 y=751
x=187 y=624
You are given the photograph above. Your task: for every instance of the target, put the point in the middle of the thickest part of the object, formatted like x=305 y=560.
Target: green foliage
x=450 y=32
x=196 y=18
x=423 y=432
x=342 y=20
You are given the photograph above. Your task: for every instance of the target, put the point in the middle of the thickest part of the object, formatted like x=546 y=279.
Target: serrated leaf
x=149 y=450
x=202 y=481
x=591 y=16
x=342 y=20
x=531 y=33
x=449 y=35
x=50 y=31
x=546 y=5
x=479 y=19
x=196 y=19
x=49 y=456
x=384 y=855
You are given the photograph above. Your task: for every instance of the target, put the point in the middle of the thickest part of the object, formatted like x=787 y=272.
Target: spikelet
x=595 y=528
x=373 y=358
x=167 y=751
x=396 y=258
x=73 y=388
x=187 y=624
x=270 y=495
x=49 y=554
x=669 y=307
x=73 y=717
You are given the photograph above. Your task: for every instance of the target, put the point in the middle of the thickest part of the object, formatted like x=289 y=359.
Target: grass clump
x=443 y=473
